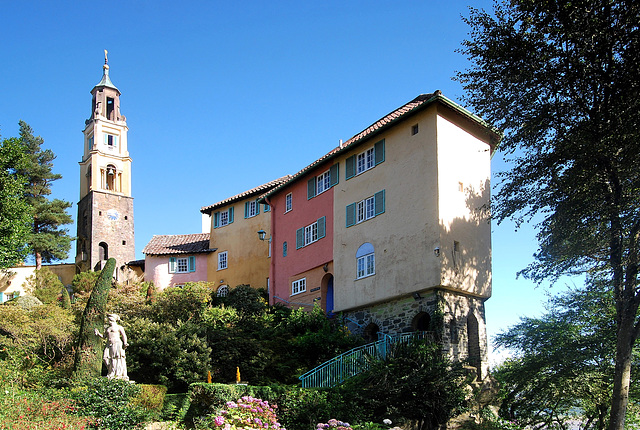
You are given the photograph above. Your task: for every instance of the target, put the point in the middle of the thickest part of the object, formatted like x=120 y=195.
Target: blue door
x=330 y=297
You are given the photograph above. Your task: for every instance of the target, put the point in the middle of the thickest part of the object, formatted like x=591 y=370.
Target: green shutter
x=333 y=174
x=246 y=209
x=350 y=167
x=284 y=249
x=379 y=151
x=379 y=202
x=257 y=207
x=106 y=139
x=192 y=263
x=322 y=227
x=351 y=214
x=1 y=297
x=216 y=220
x=115 y=141
x=230 y=214
x=172 y=264
x=311 y=188
x=267 y=208
x=299 y=238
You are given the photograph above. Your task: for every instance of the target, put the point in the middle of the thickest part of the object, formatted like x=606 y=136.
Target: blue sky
x=223 y=96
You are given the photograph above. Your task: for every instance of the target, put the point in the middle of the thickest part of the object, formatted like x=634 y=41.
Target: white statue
x=114 y=356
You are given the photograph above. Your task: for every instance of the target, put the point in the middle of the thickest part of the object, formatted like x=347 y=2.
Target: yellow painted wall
x=247 y=256
x=421 y=210
x=463 y=188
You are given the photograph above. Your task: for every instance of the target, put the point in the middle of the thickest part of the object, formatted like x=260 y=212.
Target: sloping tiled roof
x=178 y=244
x=252 y=192
x=415 y=105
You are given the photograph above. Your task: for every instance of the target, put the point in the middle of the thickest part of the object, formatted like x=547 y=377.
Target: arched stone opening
x=473 y=343
x=326 y=293
x=370 y=332
x=421 y=322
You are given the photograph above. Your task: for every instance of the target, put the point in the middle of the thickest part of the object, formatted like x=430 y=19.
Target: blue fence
x=355 y=361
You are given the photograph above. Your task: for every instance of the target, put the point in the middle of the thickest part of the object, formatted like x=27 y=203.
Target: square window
x=299 y=286
x=288 y=202
x=182 y=265
x=365 y=160
x=224 y=218
x=310 y=233
x=366 y=266
x=323 y=182
x=222 y=260
x=252 y=209
x=365 y=209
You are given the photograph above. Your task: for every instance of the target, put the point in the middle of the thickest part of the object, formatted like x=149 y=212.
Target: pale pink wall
x=157 y=271
x=283 y=229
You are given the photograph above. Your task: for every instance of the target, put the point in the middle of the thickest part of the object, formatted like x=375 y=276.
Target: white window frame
x=182 y=265
x=298 y=286
x=224 y=218
x=365 y=209
x=311 y=233
x=323 y=182
x=252 y=209
x=288 y=202
x=223 y=261
x=365 y=160
x=365 y=266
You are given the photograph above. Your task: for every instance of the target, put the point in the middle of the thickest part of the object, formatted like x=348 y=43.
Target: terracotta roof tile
x=257 y=191
x=178 y=244
x=422 y=101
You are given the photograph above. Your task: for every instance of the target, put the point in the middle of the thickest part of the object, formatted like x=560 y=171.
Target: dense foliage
x=45 y=285
x=563 y=367
x=14 y=209
x=561 y=80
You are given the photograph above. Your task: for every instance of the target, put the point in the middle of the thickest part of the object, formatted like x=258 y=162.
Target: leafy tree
x=564 y=362
x=48 y=240
x=45 y=285
x=14 y=210
x=561 y=80
x=416 y=382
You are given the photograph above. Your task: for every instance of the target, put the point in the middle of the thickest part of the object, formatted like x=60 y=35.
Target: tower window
x=110 y=108
x=111 y=178
x=414 y=129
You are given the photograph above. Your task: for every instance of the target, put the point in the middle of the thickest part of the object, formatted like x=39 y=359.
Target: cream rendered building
x=412 y=244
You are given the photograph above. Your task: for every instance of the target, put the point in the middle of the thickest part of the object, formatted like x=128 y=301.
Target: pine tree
x=48 y=241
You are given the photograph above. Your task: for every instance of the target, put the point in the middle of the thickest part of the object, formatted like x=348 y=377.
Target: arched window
x=111 y=177
x=365 y=261
x=103 y=251
x=223 y=290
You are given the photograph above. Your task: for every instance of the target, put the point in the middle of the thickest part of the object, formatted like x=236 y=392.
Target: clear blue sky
x=223 y=96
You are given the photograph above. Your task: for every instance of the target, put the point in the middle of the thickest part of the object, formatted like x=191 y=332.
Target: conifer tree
x=88 y=359
x=48 y=240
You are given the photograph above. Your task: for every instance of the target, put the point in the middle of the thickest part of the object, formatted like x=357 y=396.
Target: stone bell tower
x=105 y=209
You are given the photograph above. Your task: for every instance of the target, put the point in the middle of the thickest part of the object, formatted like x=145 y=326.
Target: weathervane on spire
x=105 y=57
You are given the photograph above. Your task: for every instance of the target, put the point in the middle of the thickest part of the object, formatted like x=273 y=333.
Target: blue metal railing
x=355 y=361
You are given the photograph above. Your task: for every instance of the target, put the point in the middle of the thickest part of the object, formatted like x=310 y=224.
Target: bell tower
x=105 y=209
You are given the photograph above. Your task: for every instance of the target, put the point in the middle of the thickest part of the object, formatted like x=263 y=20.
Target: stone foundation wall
x=460 y=326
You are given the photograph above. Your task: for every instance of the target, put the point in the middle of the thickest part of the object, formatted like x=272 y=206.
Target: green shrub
x=151 y=397
x=112 y=402
x=45 y=285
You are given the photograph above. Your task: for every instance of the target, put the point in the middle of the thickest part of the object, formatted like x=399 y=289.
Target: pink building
x=302 y=238
x=173 y=260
